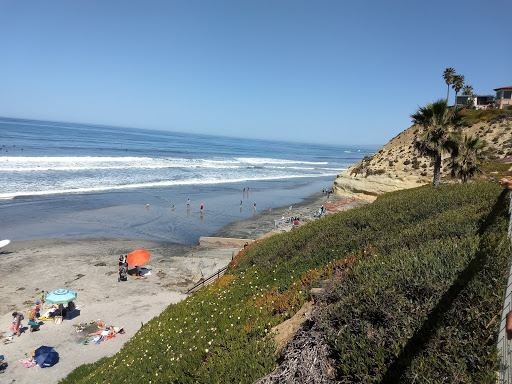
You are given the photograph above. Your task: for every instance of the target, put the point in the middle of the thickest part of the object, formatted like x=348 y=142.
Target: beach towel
x=28 y=364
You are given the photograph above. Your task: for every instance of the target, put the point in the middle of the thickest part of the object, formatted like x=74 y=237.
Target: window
x=507 y=94
x=498 y=95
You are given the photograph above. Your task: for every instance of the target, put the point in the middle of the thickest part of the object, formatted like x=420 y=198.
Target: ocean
x=68 y=180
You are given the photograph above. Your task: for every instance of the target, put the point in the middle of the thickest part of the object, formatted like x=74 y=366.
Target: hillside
x=411 y=286
x=397 y=165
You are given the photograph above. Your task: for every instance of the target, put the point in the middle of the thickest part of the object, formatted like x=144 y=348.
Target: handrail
x=503 y=344
x=208 y=280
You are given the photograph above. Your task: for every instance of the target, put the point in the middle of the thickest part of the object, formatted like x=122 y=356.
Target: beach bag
x=123 y=276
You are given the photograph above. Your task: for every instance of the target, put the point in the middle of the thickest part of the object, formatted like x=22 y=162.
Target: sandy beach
x=89 y=267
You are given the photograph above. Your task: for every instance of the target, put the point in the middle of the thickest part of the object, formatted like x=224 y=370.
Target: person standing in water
x=188 y=203
x=201 y=209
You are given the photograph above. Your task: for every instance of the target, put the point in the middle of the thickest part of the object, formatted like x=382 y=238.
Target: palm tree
x=436 y=118
x=458 y=83
x=468 y=158
x=467 y=90
x=448 y=75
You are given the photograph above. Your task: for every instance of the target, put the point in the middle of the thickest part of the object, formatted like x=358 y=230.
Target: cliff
x=397 y=165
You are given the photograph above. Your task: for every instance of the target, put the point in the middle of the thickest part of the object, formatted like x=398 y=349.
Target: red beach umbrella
x=138 y=257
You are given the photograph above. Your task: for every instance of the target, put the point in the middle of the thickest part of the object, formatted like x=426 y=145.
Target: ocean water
x=68 y=180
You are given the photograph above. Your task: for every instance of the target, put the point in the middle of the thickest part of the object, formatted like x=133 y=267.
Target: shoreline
x=89 y=267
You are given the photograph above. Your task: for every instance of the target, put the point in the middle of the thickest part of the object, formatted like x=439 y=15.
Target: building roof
x=499 y=89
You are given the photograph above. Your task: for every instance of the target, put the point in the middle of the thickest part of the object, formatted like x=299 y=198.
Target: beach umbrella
x=46 y=356
x=60 y=296
x=138 y=257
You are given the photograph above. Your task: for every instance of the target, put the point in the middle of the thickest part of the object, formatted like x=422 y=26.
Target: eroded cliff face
x=372 y=186
x=397 y=165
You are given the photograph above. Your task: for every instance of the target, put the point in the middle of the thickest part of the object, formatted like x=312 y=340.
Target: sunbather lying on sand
x=108 y=331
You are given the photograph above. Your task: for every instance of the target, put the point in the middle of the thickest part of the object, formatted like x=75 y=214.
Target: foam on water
x=153 y=184
x=43 y=158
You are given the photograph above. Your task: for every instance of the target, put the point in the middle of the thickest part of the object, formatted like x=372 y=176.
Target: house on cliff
x=503 y=97
x=479 y=101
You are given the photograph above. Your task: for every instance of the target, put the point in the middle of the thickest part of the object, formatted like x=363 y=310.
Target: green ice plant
x=426 y=243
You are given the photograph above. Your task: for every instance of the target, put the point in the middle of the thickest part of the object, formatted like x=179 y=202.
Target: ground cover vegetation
x=413 y=284
x=474 y=116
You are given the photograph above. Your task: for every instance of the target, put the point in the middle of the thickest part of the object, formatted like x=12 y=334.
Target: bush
x=475 y=116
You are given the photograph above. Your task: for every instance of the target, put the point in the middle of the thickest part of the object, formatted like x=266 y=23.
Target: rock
x=316 y=294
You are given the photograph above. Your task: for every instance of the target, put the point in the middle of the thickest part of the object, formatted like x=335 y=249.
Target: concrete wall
x=223 y=242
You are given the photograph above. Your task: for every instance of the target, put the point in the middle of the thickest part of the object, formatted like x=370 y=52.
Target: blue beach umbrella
x=60 y=296
x=46 y=356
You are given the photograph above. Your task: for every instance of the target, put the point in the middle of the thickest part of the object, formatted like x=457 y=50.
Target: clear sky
x=338 y=72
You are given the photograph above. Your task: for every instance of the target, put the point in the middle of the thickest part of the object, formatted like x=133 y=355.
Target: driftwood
x=305 y=359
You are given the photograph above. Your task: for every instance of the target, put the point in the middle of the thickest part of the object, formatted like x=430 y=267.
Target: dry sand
x=89 y=267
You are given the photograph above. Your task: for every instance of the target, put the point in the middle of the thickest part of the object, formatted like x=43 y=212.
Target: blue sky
x=337 y=72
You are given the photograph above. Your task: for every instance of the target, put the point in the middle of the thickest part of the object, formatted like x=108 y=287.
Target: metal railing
x=504 y=347
x=209 y=280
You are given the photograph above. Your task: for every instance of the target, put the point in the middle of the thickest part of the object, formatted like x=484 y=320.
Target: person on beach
x=123 y=266
x=16 y=323
x=71 y=306
x=109 y=330
x=32 y=320
x=63 y=311
x=42 y=296
x=254 y=206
